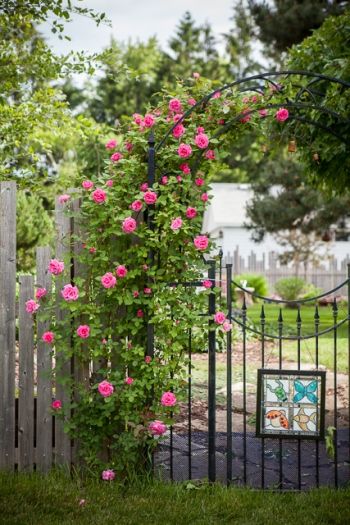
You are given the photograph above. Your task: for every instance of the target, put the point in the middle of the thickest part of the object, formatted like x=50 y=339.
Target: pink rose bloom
x=164 y=180
x=108 y=475
x=195 y=75
x=199 y=181
x=41 y=292
x=104 y=341
x=245 y=100
x=176 y=223
x=217 y=94
x=210 y=154
x=219 y=317
x=247 y=118
x=70 y=293
x=111 y=144
x=263 y=112
x=226 y=326
x=145 y=267
x=200 y=129
x=149 y=120
x=191 y=213
x=56 y=267
x=121 y=271
x=87 y=184
x=129 y=225
x=204 y=197
x=201 y=242
x=150 y=197
x=184 y=150
x=48 y=337
x=206 y=283
x=99 y=196
x=136 y=205
x=175 y=105
x=157 y=428
x=185 y=168
x=282 y=114
x=128 y=380
x=92 y=249
x=108 y=280
x=138 y=119
x=109 y=183
x=144 y=186
x=178 y=131
x=116 y=156
x=168 y=399
x=83 y=331
x=105 y=388
x=128 y=146
x=56 y=405
x=192 y=101
x=63 y=198
x=177 y=117
x=221 y=121
x=179 y=178
x=147 y=290
x=139 y=313
x=201 y=140
x=136 y=294
x=32 y=306
x=148 y=359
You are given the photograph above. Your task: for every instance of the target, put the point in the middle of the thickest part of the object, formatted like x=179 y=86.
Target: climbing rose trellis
x=133 y=397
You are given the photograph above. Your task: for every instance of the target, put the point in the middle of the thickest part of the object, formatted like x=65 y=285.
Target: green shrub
x=290 y=288
x=254 y=280
x=311 y=291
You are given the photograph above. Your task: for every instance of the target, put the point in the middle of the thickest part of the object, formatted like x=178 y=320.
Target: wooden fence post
x=26 y=377
x=7 y=323
x=44 y=372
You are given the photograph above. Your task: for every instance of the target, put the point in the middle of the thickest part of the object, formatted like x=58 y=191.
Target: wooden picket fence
x=30 y=437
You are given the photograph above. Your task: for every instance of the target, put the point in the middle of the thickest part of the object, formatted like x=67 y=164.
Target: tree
x=283 y=23
x=296 y=214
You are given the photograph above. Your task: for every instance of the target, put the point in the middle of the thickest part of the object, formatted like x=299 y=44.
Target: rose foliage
x=136 y=242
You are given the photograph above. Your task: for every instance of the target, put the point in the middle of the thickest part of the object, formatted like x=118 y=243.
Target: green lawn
x=54 y=500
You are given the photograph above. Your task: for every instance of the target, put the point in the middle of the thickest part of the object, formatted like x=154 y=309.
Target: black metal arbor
x=246 y=459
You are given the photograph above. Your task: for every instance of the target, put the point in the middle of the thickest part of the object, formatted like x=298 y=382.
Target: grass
x=54 y=500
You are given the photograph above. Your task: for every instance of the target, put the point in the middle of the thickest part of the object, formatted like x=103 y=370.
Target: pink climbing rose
x=263 y=113
x=83 y=331
x=105 y=388
x=282 y=114
x=138 y=119
x=168 y=399
x=63 y=198
x=204 y=197
x=40 y=292
x=199 y=181
x=148 y=359
x=136 y=205
x=227 y=326
x=139 y=313
x=70 y=293
x=210 y=154
x=108 y=475
x=185 y=168
x=116 y=156
x=99 y=196
x=176 y=224
x=184 y=150
x=201 y=242
x=178 y=131
x=207 y=283
x=109 y=183
x=157 y=428
x=128 y=380
x=32 y=306
x=150 y=197
x=56 y=267
x=87 y=184
x=201 y=140
x=56 y=404
x=219 y=317
x=48 y=337
x=149 y=120
x=121 y=271
x=147 y=290
x=129 y=225
x=191 y=101
x=111 y=144
x=108 y=280
x=175 y=105
x=191 y=213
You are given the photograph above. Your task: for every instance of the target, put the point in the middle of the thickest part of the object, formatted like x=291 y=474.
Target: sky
x=139 y=20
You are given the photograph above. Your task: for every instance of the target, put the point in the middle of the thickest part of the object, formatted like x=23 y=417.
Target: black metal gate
x=217 y=438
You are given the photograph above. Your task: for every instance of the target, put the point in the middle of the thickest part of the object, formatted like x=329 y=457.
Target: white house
x=225 y=217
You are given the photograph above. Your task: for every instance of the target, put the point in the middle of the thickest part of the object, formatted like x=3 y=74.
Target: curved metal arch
x=316 y=77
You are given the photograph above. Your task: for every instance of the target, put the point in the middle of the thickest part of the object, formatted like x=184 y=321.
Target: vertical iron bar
x=349 y=350
x=229 y=375
x=335 y=315
x=244 y=335
x=299 y=365
x=280 y=443
x=150 y=224
x=317 y=326
x=262 y=323
x=221 y=253
x=190 y=403
x=211 y=378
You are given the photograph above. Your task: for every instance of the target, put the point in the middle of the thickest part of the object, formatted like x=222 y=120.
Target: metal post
x=150 y=224
x=349 y=349
x=211 y=378
x=229 y=374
